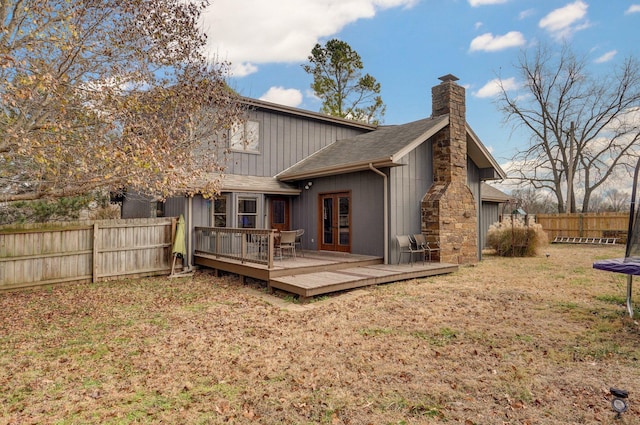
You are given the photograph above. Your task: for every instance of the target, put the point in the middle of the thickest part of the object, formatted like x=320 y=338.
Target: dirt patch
x=508 y=341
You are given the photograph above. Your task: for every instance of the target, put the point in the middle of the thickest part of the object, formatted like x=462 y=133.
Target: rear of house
x=351 y=186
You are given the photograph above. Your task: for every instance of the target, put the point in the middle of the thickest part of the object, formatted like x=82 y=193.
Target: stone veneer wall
x=449 y=209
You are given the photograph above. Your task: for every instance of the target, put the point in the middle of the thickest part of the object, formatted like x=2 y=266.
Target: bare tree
x=617 y=200
x=533 y=201
x=582 y=127
x=106 y=94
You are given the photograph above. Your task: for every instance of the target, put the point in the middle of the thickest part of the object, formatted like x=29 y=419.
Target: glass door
x=279 y=213
x=335 y=222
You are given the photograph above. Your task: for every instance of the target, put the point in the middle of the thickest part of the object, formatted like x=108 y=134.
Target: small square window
x=245 y=137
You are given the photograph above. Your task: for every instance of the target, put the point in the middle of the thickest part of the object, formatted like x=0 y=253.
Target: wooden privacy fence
x=84 y=251
x=589 y=225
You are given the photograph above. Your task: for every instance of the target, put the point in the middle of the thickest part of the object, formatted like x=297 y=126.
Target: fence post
x=94 y=259
x=174 y=224
x=581 y=225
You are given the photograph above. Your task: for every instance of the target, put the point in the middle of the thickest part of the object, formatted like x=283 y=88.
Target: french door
x=335 y=221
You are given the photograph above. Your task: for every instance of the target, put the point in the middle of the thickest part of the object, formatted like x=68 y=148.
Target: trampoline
x=630 y=264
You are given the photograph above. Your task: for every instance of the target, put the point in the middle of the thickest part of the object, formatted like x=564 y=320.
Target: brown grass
x=510 y=341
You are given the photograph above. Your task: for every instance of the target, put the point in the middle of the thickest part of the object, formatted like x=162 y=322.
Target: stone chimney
x=449 y=209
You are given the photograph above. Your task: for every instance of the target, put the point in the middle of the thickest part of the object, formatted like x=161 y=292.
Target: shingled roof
x=492 y=194
x=383 y=147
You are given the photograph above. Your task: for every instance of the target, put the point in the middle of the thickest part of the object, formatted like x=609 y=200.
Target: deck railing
x=244 y=245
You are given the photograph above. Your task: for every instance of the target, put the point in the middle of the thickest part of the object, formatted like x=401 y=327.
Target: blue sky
x=407 y=44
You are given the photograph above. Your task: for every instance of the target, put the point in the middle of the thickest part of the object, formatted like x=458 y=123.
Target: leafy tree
x=102 y=94
x=338 y=81
x=582 y=127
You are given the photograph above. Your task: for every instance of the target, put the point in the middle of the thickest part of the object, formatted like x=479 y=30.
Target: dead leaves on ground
x=489 y=344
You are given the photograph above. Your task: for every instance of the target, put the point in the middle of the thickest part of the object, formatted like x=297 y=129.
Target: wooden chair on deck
x=287 y=242
x=298 y=243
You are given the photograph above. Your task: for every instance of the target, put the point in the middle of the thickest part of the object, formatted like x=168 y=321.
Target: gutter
x=340 y=169
x=386 y=212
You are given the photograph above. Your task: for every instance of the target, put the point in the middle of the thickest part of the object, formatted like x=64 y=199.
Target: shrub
x=61 y=209
x=515 y=238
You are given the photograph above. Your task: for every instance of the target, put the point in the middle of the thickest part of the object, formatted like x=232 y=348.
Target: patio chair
x=405 y=246
x=433 y=246
x=298 y=243
x=257 y=245
x=287 y=242
x=428 y=247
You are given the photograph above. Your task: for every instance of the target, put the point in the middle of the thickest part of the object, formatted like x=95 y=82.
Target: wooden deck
x=321 y=272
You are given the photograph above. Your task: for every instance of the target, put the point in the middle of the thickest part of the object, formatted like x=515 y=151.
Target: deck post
x=243 y=248
x=270 y=249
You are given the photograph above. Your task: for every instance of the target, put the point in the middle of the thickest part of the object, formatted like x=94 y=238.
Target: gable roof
x=482 y=157
x=289 y=110
x=383 y=147
x=492 y=194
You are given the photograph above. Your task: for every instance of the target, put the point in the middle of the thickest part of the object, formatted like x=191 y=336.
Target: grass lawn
x=507 y=341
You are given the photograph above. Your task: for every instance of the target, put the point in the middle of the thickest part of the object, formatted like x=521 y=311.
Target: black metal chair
x=429 y=247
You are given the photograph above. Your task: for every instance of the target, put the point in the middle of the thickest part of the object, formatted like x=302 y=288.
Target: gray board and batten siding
x=290 y=138
x=408 y=185
x=367 y=210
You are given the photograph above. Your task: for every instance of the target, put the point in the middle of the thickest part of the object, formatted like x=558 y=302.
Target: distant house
x=352 y=186
x=493 y=203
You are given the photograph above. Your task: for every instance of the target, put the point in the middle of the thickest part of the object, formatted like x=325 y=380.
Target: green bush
x=43 y=210
x=515 y=238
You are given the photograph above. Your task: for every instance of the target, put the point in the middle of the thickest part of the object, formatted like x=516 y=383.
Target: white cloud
x=606 y=57
x=478 y=25
x=476 y=3
x=634 y=8
x=242 y=69
x=282 y=96
x=565 y=21
x=489 y=43
x=526 y=13
x=251 y=32
x=495 y=86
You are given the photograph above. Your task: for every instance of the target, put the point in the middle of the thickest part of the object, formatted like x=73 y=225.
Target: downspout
x=480 y=220
x=190 y=233
x=385 y=197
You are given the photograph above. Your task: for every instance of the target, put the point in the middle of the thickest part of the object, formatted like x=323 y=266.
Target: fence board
x=589 y=225
x=32 y=255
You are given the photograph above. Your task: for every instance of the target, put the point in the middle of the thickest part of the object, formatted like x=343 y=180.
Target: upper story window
x=245 y=137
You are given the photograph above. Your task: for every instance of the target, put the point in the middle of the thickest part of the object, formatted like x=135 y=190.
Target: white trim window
x=247 y=213
x=220 y=211
x=245 y=137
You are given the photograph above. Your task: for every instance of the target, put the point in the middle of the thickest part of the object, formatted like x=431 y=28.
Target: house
x=493 y=203
x=352 y=186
